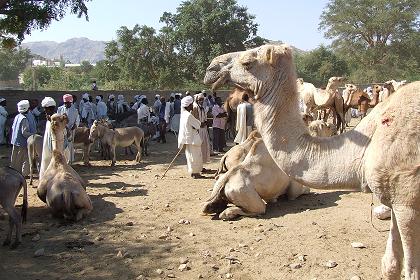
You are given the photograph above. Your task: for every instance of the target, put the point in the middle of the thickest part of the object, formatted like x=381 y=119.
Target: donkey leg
x=113 y=155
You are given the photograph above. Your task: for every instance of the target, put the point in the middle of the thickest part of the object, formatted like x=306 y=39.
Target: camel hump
x=58 y=157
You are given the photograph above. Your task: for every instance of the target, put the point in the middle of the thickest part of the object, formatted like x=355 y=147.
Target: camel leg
x=86 y=150
x=296 y=189
x=139 y=151
x=247 y=203
x=113 y=156
x=391 y=261
x=408 y=220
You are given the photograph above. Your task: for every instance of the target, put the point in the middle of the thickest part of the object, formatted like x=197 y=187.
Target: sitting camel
x=119 y=137
x=382 y=150
x=60 y=186
x=237 y=153
x=11 y=182
x=250 y=185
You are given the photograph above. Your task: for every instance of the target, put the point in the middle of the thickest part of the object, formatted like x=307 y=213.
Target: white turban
x=98 y=98
x=23 y=106
x=85 y=96
x=186 y=101
x=173 y=94
x=2 y=99
x=48 y=102
x=157 y=95
x=111 y=96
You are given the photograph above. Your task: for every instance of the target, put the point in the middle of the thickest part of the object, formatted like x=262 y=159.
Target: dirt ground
x=134 y=231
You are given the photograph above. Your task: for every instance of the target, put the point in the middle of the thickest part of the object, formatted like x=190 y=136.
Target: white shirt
x=188 y=129
x=101 y=110
x=72 y=114
x=143 y=112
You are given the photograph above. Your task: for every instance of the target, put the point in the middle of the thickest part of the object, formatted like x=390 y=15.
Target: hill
x=74 y=50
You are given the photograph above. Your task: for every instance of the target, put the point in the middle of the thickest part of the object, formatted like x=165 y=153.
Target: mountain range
x=77 y=50
x=74 y=50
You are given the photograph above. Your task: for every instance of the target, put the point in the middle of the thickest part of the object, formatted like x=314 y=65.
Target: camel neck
x=324 y=163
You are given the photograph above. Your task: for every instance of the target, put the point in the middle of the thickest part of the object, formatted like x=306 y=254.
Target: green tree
x=36 y=77
x=202 y=29
x=374 y=35
x=19 y=17
x=319 y=65
x=13 y=62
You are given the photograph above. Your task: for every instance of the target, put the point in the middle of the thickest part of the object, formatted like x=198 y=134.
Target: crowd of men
x=185 y=117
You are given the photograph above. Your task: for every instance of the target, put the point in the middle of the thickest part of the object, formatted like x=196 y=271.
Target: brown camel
x=230 y=105
x=360 y=100
x=382 y=150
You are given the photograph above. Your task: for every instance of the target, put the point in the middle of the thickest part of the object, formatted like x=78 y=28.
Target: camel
x=360 y=100
x=389 y=88
x=34 y=143
x=81 y=138
x=60 y=187
x=11 y=182
x=318 y=99
x=382 y=150
x=236 y=154
x=250 y=185
x=121 y=137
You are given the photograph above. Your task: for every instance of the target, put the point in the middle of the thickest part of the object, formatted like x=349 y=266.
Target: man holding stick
x=189 y=136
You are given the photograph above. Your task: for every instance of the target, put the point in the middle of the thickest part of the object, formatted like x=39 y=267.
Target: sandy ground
x=134 y=231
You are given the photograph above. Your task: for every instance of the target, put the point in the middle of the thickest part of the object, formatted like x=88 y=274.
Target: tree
x=13 y=62
x=19 y=17
x=374 y=34
x=319 y=65
x=203 y=29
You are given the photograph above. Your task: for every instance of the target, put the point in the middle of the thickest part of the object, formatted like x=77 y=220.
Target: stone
x=130 y=224
x=358 y=245
x=159 y=271
x=355 y=278
x=140 y=277
x=191 y=234
x=214 y=266
x=302 y=258
x=167 y=205
x=37 y=237
x=258 y=239
x=170 y=275
x=163 y=236
x=146 y=208
x=99 y=238
x=330 y=264
x=120 y=254
x=200 y=276
x=183 y=267
x=169 y=229
x=295 y=265
x=39 y=253
x=228 y=276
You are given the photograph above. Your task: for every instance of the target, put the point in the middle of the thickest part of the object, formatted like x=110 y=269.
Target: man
x=87 y=111
x=3 y=118
x=49 y=105
x=189 y=136
x=200 y=113
x=20 y=134
x=122 y=106
x=164 y=116
x=219 y=123
x=143 y=112
x=101 y=108
x=70 y=110
x=177 y=113
x=244 y=119
x=112 y=108
x=94 y=85
x=156 y=105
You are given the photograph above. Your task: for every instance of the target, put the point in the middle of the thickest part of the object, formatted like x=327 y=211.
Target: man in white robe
x=49 y=105
x=70 y=110
x=3 y=118
x=101 y=108
x=244 y=120
x=200 y=113
x=189 y=136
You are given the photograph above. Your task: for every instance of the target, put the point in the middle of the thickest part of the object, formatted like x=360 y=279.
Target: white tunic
x=101 y=110
x=3 y=118
x=188 y=130
x=242 y=129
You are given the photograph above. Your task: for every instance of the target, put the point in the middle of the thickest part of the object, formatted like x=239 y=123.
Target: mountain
x=75 y=50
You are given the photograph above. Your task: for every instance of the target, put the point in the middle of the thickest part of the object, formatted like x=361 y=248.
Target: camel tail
x=68 y=203
x=24 y=211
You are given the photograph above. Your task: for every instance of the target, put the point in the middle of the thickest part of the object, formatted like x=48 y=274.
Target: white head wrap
x=157 y=95
x=186 y=101
x=98 y=98
x=2 y=99
x=23 y=106
x=111 y=96
x=172 y=94
x=85 y=96
x=48 y=102
x=136 y=97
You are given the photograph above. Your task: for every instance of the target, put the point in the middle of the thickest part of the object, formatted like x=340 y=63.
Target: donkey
x=11 y=182
x=121 y=137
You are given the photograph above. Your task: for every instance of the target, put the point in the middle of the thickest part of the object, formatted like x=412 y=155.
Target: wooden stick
x=170 y=165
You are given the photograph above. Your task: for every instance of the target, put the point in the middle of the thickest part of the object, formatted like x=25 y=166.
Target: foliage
x=376 y=37
x=319 y=65
x=19 y=17
x=12 y=62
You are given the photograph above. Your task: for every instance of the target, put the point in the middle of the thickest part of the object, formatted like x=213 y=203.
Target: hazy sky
x=293 y=22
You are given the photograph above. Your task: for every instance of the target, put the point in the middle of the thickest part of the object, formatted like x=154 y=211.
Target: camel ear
x=274 y=53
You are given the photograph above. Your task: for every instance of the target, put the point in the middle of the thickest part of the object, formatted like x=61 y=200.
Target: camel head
x=377 y=89
x=257 y=70
x=335 y=82
x=94 y=130
x=58 y=122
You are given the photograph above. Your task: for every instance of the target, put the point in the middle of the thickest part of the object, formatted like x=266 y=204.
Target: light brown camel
x=250 y=185
x=230 y=105
x=358 y=99
x=60 y=186
x=382 y=151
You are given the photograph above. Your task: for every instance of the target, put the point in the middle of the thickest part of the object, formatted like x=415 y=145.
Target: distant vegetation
x=371 y=42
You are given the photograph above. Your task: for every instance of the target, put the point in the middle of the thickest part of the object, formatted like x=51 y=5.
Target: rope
x=371 y=217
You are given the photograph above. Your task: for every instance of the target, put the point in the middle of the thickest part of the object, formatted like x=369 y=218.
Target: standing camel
x=360 y=100
x=383 y=150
